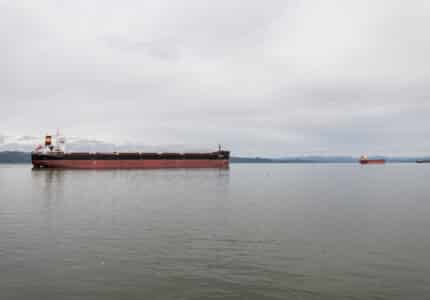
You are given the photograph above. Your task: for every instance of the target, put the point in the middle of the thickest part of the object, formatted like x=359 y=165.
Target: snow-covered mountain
x=75 y=144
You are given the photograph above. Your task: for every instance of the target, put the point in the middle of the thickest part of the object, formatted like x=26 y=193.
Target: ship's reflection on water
x=55 y=184
x=125 y=202
x=54 y=178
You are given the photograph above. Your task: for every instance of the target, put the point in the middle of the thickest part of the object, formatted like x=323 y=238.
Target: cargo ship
x=423 y=161
x=52 y=155
x=364 y=160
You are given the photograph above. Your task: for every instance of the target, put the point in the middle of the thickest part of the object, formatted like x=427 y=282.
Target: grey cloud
x=26 y=138
x=272 y=78
x=160 y=49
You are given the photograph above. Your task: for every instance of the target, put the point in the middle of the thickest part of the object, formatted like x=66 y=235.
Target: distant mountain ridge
x=321 y=159
x=15 y=157
x=25 y=157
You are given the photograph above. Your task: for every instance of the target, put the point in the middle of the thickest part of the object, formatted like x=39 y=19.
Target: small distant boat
x=364 y=160
x=423 y=161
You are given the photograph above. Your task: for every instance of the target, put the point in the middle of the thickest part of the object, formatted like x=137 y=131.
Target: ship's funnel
x=48 y=140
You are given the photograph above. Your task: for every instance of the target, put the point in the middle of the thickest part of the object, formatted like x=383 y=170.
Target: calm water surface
x=324 y=231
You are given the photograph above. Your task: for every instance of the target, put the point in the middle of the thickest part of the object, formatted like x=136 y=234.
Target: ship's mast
x=60 y=142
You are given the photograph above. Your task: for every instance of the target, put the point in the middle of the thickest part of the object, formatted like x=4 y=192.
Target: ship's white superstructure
x=57 y=144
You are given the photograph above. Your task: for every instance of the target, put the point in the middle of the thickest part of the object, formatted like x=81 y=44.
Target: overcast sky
x=271 y=78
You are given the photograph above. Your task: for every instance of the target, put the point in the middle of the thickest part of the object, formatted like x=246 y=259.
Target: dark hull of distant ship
x=372 y=161
x=423 y=161
x=219 y=159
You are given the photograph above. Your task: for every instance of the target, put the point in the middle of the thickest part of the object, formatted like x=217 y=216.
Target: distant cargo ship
x=364 y=160
x=54 y=156
x=423 y=161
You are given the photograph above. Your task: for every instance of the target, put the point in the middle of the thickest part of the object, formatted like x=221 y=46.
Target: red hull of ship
x=132 y=164
x=372 y=161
